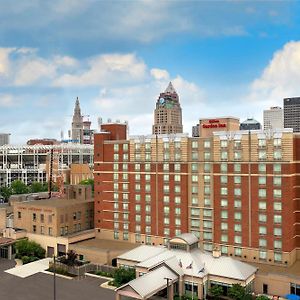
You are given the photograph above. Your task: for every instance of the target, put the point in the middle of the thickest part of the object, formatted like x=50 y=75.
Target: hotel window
x=207 y=202
x=277 y=180
x=137 y=228
x=166 y=221
x=224 y=226
x=262 y=154
x=206 y=144
x=166 y=167
x=177 y=145
x=206 y=155
x=116 y=186
x=147 y=177
x=125 y=156
x=262 y=193
x=177 y=232
x=223 y=143
x=116 y=206
x=207 y=247
x=277 y=231
x=137 y=167
x=147 y=187
x=263 y=255
x=237 y=155
x=116 y=157
x=277 y=257
x=237 y=168
x=147 y=197
x=207 y=235
x=238 y=251
x=262 y=218
x=194 y=144
x=116 y=147
x=125 y=236
x=125 y=176
x=147 y=208
x=237 y=216
x=237 y=192
x=177 y=210
x=206 y=167
x=177 y=156
x=148 y=219
x=206 y=190
x=166 y=188
x=116 y=225
x=137 y=146
x=224 y=238
x=194 y=201
x=195 y=223
x=237 y=227
x=125 y=167
x=177 y=167
x=138 y=207
x=137 y=197
x=277 y=142
x=206 y=178
x=262 y=243
x=224 y=190
x=262 y=180
x=224 y=203
x=166 y=156
x=277 y=168
x=125 y=186
x=262 y=168
x=194 y=167
x=195 y=212
x=224 y=214
x=194 y=189
x=237 y=239
x=177 y=199
x=148 y=229
x=223 y=168
x=224 y=155
x=277 y=244
x=223 y=179
x=262 y=143
x=237 y=179
x=262 y=205
x=137 y=177
x=148 y=156
x=125 y=147
x=207 y=224
x=237 y=203
x=277 y=219
x=277 y=154
x=116 y=235
x=147 y=146
x=177 y=178
x=177 y=189
x=177 y=222
x=166 y=231
x=207 y=213
x=277 y=193
x=138 y=218
x=277 y=206
x=237 y=144
x=262 y=230
x=116 y=215
x=166 y=199
x=194 y=155
x=166 y=177
x=116 y=167
x=224 y=250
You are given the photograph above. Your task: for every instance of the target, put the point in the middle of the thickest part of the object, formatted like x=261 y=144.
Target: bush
x=122 y=276
x=236 y=292
x=106 y=274
x=262 y=297
x=59 y=270
x=28 y=248
x=216 y=291
x=28 y=259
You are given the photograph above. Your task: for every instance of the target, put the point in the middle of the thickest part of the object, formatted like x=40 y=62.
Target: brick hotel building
x=235 y=190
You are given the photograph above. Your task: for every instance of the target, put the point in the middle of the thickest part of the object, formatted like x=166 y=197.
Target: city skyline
x=118 y=58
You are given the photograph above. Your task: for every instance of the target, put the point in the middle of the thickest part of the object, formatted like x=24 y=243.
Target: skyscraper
x=291 y=111
x=77 y=124
x=273 y=118
x=167 y=114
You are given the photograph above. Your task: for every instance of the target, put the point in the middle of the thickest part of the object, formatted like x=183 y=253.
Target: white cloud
x=7 y=100
x=160 y=74
x=5 y=61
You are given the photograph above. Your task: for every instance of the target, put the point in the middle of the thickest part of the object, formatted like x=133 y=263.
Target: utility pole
x=54 y=278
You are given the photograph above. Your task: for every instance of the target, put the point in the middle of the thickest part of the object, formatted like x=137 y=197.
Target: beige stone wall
x=2 y=218
x=79 y=172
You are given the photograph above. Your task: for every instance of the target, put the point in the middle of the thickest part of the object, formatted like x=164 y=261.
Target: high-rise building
x=167 y=114
x=235 y=190
x=250 y=124
x=291 y=111
x=77 y=124
x=273 y=118
x=4 y=139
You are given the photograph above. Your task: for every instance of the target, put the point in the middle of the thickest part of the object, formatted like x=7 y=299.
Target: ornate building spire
x=77 y=124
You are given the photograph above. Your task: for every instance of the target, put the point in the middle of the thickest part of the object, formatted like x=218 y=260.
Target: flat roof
x=53 y=202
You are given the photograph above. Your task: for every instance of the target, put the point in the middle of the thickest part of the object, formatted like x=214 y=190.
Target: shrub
x=236 y=292
x=262 y=297
x=28 y=248
x=216 y=291
x=122 y=276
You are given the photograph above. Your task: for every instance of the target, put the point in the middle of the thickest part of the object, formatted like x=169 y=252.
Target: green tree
x=216 y=291
x=122 y=276
x=18 y=187
x=36 y=187
x=30 y=249
x=88 y=182
x=262 y=297
x=5 y=192
x=236 y=292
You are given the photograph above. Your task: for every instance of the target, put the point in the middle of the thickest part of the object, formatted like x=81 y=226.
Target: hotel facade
x=235 y=190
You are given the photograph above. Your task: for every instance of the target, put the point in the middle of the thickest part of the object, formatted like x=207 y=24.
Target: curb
x=105 y=285
x=57 y=275
x=98 y=276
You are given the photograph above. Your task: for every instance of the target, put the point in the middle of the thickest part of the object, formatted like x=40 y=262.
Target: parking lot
x=40 y=286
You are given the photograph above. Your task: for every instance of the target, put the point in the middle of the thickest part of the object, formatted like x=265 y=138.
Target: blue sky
x=224 y=58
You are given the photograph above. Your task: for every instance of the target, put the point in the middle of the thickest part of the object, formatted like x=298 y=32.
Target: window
x=166 y=220
x=166 y=188
x=166 y=231
x=34 y=217
x=277 y=154
x=223 y=179
x=277 y=219
x=137 y=167
x=34 y=228
x=278 y=257
x=277 y=181
x=194 y=144
x=177 y=222
x=50 y=231
x=277 y=231
x=137 y=228
x=206 y=155
x=116 y=156
x=147 y=167
x=177 y=178
x=137 y=197
x=125 y=167
x=138 y=218
x=262 y=168
x=262 y=180
x=237 y=239
x=224 y=249
x=177 y=210
x=207 y=213
x=262 y=154
x=224 y=226
x=206 y=144
x=277 y=193
x=238 y=251
x=223 y=143
x=137 y=177
x=207 y=224
x=277 y=244
x=237 y=179
x=262 y=243
x=207 y=202
x=195 y=212
x=277 y=206
x=116 y=167
x=166 y=199
x=177 y=199
x=206 y=167
x=224 y=155
x=137 y=146
x=116 y=147
x=125 y=147
x=166 y=167
x=194 y=155
x=237 y=227
x=262 y=230
x=148 y=219
x=177 y=167
x=237 y=203
x=223 y=190
x=237 y=168
x=237 y=216
x=224 y=238
x=19 y=215
x=262 y=143
x=263 y=255
x=207 y=235
x=166 y=210
x=237 y=192
x=262 y=205
x=148 y=229
x=237 y=155
x=262 y=218
x=125 y=236
x=194 y=178
x=177 y=189
x=195 y=223
x=224 y=202
x=138 y=207
x=223 y=168
x=262 y=193
x=148 y=146
x=125 y=156
x=42 y=230
x=224 y=214
x=207 y=190
x=277 y=168
x=194 y=167
x=277 y=142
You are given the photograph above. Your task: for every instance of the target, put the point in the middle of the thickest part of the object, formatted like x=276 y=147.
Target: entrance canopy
x=149 y=284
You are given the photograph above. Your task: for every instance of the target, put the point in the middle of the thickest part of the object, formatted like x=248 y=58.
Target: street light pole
x=54 y=278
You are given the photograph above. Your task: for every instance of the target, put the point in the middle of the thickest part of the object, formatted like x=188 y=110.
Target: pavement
x=30 y=269
x=40 y=286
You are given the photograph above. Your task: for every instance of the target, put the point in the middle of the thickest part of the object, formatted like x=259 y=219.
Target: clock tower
x=167 y=113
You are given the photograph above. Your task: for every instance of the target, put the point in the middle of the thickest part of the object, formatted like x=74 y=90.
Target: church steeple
x=77 y=124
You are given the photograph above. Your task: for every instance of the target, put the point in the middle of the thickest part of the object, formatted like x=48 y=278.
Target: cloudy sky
x=224 y=58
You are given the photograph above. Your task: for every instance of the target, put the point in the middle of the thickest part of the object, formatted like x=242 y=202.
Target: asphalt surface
x=40 y=287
